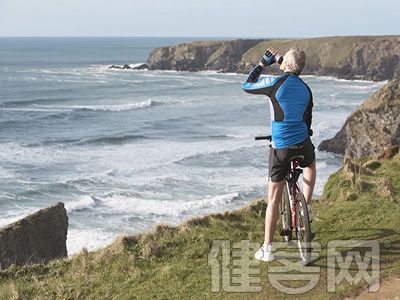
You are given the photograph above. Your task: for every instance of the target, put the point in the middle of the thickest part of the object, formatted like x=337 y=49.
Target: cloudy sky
x=205 y=18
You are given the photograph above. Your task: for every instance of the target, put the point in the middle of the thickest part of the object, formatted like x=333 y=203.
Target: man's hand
x=269 y=57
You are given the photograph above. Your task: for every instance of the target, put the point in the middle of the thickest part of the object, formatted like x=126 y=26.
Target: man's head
x=294 y=61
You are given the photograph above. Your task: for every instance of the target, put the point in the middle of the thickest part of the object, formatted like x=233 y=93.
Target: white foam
x=6 y=173
x=123 y=204
x=90 y=238
x=213 y=201
x=149 y=211
x=115 y=107
x=87 y=202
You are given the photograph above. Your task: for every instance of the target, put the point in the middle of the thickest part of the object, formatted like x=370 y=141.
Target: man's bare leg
x=309 y=176
x=275 y=190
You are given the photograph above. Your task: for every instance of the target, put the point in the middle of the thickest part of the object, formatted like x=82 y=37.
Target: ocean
x=126 y=150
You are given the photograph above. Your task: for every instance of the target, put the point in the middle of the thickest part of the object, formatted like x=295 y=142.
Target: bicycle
x=293 y=210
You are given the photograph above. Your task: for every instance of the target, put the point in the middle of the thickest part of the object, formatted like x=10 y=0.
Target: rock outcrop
x=359 y=57
x=128 y=67
x=38 y=238
x=372 y=128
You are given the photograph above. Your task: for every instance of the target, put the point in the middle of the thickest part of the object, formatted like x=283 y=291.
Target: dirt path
x=390 y=290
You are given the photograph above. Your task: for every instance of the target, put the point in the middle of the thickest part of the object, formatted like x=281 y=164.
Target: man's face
x=284 y=65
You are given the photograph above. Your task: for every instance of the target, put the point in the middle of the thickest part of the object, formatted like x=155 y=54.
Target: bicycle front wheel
x=303 y=229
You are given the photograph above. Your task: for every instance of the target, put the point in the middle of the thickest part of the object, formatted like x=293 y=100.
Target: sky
x=205 y=18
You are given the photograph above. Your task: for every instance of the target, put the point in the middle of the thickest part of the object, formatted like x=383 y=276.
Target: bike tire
x=286 y=215
x=303 y=229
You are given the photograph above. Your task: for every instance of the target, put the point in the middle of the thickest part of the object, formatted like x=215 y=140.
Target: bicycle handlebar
x=263 y=137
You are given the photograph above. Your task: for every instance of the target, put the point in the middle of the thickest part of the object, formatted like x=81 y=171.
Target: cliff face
x=362 y=57
x=200 y=56
x=373 y=127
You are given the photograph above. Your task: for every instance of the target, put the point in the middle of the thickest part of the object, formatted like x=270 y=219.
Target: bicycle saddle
x=297 y=158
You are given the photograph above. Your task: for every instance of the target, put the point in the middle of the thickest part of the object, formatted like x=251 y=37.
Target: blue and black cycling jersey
x=291 y=105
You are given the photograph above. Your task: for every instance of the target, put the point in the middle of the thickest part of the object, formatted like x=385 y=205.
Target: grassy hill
x=359 y=203
x=347 y=57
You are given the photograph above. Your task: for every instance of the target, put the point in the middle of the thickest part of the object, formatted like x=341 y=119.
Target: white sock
x=308 y=207
x=268 y=248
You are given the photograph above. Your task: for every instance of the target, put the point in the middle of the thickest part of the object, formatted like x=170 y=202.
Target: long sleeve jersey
x=291 y=105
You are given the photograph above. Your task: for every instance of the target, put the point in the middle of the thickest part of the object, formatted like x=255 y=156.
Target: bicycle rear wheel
x=286 y=216
x=303 y=229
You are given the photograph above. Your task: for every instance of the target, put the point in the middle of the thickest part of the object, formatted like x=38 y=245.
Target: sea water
x=126 y=150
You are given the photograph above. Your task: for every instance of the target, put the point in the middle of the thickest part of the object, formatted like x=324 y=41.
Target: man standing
x=291 y=105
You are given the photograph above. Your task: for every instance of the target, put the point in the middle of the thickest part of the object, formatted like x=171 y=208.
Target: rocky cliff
x=359 y=57
x=201 y=56
x=373 y=127
x=38 y=238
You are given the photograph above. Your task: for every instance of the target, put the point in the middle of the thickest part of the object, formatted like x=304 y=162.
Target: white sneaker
x=265 y=253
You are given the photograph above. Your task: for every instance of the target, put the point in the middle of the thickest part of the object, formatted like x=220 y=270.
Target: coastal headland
x=374 y=58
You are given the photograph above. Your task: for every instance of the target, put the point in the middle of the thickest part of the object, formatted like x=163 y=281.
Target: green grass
x=172 y=262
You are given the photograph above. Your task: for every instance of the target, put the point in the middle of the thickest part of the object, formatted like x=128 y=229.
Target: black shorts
x=279 y=159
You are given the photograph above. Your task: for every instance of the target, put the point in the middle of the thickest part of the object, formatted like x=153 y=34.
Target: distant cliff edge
x=373 y=58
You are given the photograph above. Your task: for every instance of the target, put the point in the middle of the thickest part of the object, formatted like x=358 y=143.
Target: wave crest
x=87 y=202
x=117 y=107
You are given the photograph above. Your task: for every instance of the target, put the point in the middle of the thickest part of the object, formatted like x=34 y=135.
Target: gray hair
x=296 y=58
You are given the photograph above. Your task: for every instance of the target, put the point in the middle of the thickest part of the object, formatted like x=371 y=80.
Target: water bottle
x=278 y=58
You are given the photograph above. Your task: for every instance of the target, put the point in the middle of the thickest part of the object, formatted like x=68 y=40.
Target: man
x=291 y=105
